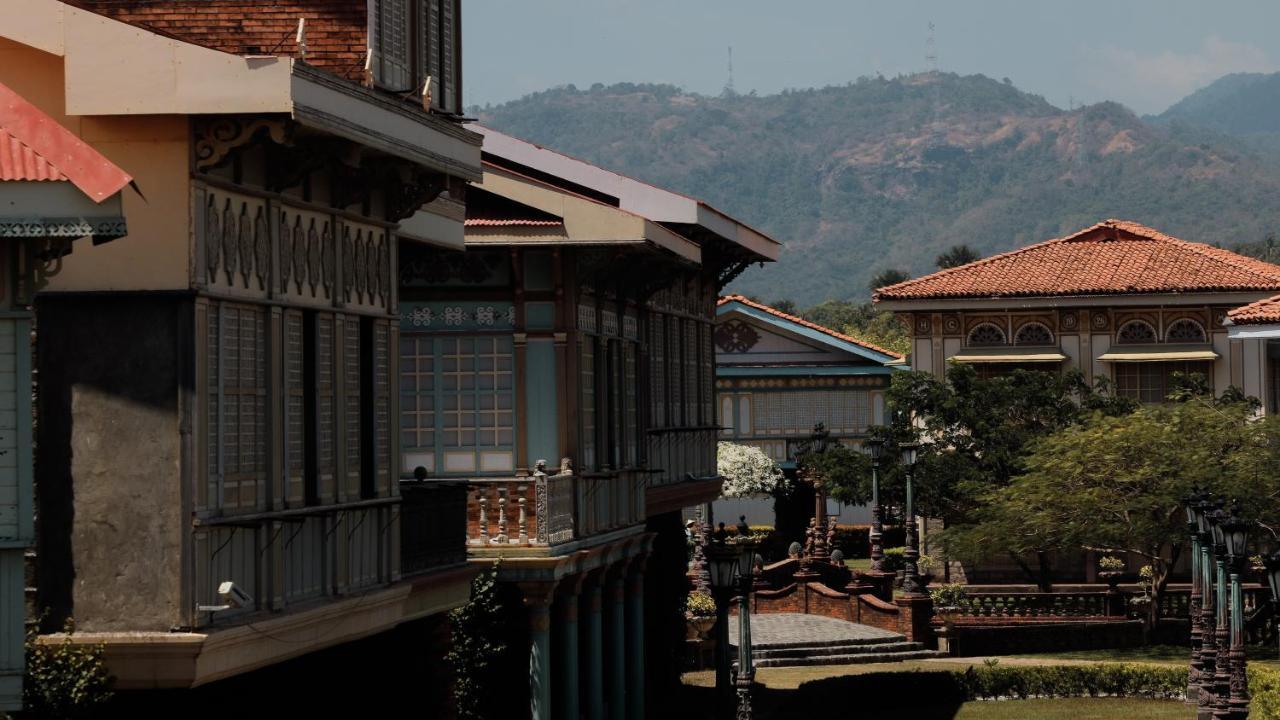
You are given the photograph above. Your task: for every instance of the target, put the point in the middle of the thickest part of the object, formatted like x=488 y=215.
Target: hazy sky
x=1144 y=53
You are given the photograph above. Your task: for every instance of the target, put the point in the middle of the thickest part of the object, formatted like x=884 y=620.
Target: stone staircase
x=790 y=640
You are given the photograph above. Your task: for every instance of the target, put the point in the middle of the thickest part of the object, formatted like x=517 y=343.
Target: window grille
x=1033 y=333
x=1136 y=332
x=986 y=335
x=1185 y=330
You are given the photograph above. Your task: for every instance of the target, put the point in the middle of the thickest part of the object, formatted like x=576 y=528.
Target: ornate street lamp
x=746 y=670
x=876 y=447
x=722 y=566
x=1192 y=506
x=818 y=443
x=1235 y=531
x=1207 y=696
x=1222 y=632
x=910 y=555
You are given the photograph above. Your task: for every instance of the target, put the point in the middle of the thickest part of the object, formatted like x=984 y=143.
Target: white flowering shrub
x=747 y=470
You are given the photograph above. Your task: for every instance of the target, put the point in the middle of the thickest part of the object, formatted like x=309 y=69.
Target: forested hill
x=1244 y=105
x=890 y=172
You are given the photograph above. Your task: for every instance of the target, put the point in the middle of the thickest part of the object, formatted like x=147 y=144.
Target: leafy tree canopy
x=957 y=255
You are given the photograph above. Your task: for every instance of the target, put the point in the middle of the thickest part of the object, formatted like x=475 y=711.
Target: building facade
x=218 y=395
x=54 y=190
x=1118 y=301
x=564 y=366
x=778 y=375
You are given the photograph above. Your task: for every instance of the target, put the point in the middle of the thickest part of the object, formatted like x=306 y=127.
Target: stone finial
x=540 y=467
x=794 y=550
x=566 y=466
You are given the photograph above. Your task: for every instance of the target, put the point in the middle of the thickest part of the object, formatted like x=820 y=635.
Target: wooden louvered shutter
x=391 y=44
x=382 y=460
x=294 y=411
x=448 y=55
x=351 y=406
x=326 y=411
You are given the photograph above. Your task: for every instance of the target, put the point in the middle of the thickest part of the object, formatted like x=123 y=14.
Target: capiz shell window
x=457 y=402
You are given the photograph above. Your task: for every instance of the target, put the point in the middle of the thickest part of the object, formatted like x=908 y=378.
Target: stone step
x=853 y=659
x=837 y=649
x=851 y=641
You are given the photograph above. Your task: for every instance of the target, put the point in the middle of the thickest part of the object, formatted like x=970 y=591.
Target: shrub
x=482 y=650
x=700 y=605
x=1111 y=679
x=1264 y=686
x=1110 y=564
x=951 y=595
x=893 y=559
x=64 y=680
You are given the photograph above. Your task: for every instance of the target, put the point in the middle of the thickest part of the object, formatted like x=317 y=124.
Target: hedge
x=1020 y=682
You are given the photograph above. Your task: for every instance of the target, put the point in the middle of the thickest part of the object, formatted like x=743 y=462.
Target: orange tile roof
x=336 y=29
x=1114 y=257
x=801 y=321
x=34 y=147
x=1262 y=312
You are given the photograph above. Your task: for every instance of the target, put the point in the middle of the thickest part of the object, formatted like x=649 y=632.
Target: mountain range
x=890 y=172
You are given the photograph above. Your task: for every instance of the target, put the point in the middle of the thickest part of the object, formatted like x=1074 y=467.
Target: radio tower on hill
x=728 y=86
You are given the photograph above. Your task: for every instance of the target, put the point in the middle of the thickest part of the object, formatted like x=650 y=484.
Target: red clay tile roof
x=336 y=29
x=1114 y=257
x=801 y=321
x=523 y=222
x=1262 y=312
x=34 y=147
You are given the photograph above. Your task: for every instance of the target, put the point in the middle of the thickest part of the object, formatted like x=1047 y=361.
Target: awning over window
x=1009 y=355
x=1158 y=353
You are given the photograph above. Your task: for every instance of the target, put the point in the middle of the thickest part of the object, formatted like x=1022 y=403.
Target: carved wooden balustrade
x=544 y=510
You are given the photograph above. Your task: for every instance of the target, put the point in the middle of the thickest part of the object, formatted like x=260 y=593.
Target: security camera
x=233 y=595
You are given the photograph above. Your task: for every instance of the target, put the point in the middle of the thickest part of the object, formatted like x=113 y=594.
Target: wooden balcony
x=549 y=512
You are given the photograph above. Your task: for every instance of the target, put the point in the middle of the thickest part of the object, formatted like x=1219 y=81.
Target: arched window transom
x=1033 y=333
x=1185 y=330
x=987 y=334
x=1136 y=332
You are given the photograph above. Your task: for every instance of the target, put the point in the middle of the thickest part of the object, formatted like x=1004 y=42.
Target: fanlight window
x=1185 y=330
x=1136 y=332
x=987 y=334
x=1033 y=333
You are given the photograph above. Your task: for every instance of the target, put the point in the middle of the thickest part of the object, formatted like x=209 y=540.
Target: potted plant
x=1110 y=570
x=948 y=604
x=925 y=565
x=700 y=612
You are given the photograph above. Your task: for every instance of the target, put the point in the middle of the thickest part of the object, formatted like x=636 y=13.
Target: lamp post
x=1222 y=668
x=1191 y=505
x=817 y=446
x=746 y=670
x=1206 y=697
x=1235 y=532
x=722 y=566
x=910 y=555
x=876 y=447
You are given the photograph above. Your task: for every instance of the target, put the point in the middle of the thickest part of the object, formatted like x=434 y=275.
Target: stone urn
x=698 y=627
x=1112 y=579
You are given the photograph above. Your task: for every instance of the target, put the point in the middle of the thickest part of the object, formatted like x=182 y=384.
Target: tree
x=885 y=278
x=785 y=306
x=956 y=256
x=484 y=652
x=1116 y=484
x=864 y=321
x=974 y=433
x=747 y=471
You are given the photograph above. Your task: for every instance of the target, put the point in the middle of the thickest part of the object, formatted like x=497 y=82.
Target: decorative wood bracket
x=217 y=137
x=405 y=197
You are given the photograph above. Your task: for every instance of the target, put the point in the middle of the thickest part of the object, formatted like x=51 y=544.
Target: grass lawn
x=858 y=563
x=1162 y=654
x=779 y=696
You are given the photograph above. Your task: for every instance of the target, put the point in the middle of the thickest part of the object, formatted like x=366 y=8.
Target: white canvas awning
x=1158 y=353
x=1009 y=355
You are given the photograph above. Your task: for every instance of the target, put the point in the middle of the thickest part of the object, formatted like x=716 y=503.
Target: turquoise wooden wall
x=540 y=397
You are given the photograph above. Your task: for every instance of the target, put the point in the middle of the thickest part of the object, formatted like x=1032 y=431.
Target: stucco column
x=594 y=665
x=616 y=645
x=537 y=598
x=635 y=643
x=566 y=627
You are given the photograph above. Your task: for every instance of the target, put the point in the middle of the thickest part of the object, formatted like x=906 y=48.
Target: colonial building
x=1117 y=300
x=54 y=189
x=218 y=451
x=1259 y=322
x=777 y=376
x=564 y=365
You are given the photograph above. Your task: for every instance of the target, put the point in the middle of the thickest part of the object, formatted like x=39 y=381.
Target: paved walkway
x=790 y=628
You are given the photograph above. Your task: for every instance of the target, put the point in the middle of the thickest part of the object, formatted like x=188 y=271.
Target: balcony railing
x=547 y=510
x=433 y=525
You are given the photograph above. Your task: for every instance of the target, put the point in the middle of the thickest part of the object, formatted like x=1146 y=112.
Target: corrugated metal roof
x=33 y=146
x=19 y=162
